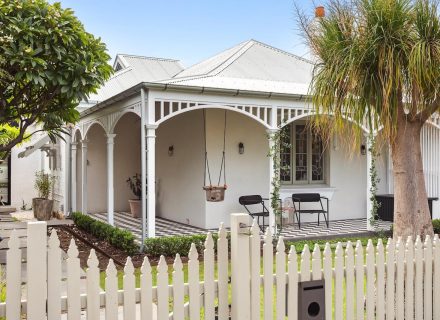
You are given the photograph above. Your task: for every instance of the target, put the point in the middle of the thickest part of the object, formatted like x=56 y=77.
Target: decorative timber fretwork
x=107 y=120
x=166 y=109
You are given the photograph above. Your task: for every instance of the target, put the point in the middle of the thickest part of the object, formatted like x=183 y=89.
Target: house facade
x=259 y=88
x=156 y=118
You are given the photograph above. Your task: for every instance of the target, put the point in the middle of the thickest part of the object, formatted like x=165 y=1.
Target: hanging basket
x=215 y=193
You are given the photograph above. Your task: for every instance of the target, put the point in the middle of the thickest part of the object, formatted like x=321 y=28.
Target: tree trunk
x=411 y=211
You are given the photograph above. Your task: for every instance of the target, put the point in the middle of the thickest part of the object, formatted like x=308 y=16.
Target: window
x=5 y=181
x=302 y=155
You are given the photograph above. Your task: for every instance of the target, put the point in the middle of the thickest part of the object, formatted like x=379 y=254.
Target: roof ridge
x=283 y=51
x=241 y=45
x=226 y=63
x=146 y=57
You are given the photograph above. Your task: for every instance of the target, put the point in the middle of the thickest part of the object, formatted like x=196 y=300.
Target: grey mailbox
x=311 y=300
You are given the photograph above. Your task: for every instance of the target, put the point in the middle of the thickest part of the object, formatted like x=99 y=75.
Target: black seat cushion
x=306 y=197
x=250 y=200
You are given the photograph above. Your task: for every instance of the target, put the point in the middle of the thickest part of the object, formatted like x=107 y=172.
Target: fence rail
x=255 y=280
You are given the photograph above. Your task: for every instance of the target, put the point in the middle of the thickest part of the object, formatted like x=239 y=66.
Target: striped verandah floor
x=310 y=230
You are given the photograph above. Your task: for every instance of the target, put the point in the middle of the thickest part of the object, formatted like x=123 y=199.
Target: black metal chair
x=253 y=200
x=300 y=198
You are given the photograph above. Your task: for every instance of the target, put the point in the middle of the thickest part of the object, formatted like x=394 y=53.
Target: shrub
x=436 y=225
x=121 y=239
x=170 y=246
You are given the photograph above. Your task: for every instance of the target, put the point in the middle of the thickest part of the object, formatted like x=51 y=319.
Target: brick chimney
x=319 y=12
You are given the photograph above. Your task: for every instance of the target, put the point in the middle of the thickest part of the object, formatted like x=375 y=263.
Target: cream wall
x=96 y=170
x=127 y=158
x=23 y=175
x=246 y=174
x=180 y=178
x=348 y=175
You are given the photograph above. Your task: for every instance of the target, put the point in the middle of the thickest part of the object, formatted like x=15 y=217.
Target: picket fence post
x=240 y=267
x=36 y=270
x=13 y=277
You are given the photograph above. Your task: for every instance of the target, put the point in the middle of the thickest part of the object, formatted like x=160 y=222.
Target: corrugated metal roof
x=136 y=69
x=252 y=66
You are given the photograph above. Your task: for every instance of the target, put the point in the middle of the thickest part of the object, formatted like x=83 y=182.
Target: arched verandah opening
x=180 y=172
x=127 y=158
x=96 y=169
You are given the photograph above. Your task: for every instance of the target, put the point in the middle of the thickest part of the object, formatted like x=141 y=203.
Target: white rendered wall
x=348 y=174
x=246 y=174
x=96 y=170
x=127 y=159
x=180 y=177
x=23 y=175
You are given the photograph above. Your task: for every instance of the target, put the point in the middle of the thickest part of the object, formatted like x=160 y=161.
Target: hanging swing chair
x=215 y=193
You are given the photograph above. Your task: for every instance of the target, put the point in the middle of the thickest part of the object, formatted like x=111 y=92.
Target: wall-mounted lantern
x=363 y=149
x=171 y=151
x=241 y=148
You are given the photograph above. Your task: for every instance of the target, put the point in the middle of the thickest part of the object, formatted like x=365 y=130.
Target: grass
x=299 y=245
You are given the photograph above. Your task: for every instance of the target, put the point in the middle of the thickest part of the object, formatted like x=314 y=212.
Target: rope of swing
x=223 y=163
x=206 y=153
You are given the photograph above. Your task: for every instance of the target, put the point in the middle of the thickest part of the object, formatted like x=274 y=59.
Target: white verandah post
x=151 y=178
x=84 y=176
x=143 y=168
x=274 y=129
x=240 y=267
x=368 y=145
x=272 y=172
x=110 y=179
x=73 y=177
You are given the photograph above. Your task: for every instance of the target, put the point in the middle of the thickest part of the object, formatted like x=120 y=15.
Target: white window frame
x=309 y=180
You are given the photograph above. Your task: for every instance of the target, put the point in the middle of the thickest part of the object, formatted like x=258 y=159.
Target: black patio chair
x=300 y=198
x=255 y=201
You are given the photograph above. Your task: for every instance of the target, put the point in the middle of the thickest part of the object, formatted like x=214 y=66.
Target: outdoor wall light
x=363 y=149
x=241 y=148
x=171 y=151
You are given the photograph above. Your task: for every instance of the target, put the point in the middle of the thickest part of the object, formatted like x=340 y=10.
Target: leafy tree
x=378 y=62
x=48 y=63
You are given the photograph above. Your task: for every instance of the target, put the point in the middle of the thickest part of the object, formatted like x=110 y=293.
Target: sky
x=190 y=30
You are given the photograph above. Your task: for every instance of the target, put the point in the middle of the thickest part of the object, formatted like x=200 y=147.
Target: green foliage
x=170 y=246
x=48 y=63
x=374 y=180
x=436 y=225
x=121 y=239
x=135 y=185
x=44 y=183
x=299 y=245
x=279 y=142
x=373 y=57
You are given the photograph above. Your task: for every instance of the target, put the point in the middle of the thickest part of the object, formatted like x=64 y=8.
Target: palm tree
x=378 y=62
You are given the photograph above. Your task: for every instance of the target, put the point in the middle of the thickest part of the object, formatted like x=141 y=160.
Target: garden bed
x=66 y=233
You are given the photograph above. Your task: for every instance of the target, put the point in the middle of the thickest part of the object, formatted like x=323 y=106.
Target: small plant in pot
x=135 y=185
x=43 y=206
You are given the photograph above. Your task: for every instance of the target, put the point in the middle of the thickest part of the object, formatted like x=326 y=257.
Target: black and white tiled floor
x=164 y=227
x=309 y=230
x=349 y=227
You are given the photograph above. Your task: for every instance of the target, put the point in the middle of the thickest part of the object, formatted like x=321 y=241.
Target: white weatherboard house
x=150 y=118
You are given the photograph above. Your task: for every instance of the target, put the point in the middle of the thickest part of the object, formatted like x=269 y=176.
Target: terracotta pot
x=135 y=208
x=42 y=208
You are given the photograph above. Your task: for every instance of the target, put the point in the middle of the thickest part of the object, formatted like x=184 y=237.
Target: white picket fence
x=399 y=281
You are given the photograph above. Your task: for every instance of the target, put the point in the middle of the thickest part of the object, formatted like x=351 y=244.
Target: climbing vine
x=278 y=141
x=374 y=181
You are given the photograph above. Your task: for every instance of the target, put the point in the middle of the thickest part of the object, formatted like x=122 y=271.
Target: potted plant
x=43 y=206
x=135 y=185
